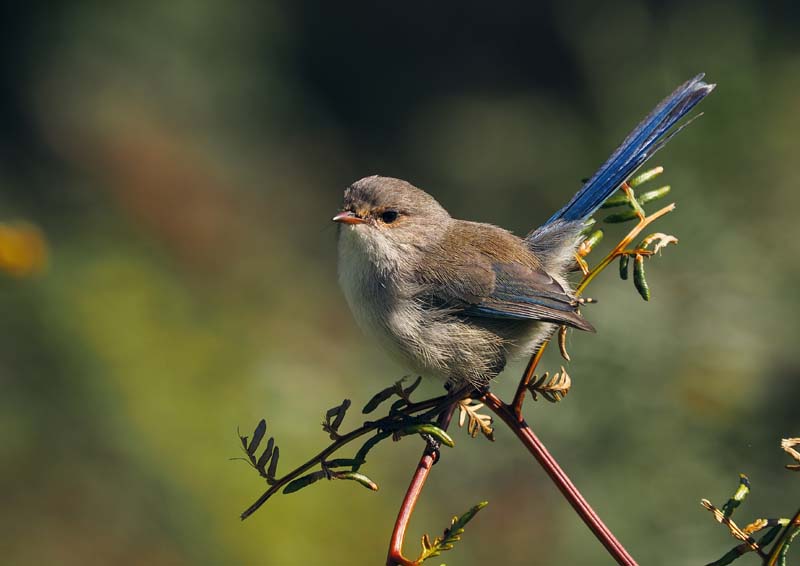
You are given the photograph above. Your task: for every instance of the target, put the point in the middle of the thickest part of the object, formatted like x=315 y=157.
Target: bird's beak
x=347 y=217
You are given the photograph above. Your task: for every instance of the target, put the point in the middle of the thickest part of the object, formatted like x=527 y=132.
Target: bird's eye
x=389 y=216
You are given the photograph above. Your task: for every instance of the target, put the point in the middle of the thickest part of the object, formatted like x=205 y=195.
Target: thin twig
x=619 y=249
x=522 y=388
x=735 y=530
x=560 y=478
x=775 y=552
x=339 y=443
x=426 y=462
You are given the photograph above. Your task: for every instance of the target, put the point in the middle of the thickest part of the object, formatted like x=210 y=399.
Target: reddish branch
x=396 y=557
x=511 y=414
x=560 y=478
x=515 y=422
x=522 y=388
x=426 y=462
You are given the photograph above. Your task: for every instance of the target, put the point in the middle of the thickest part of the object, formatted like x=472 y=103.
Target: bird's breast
x=365 y=285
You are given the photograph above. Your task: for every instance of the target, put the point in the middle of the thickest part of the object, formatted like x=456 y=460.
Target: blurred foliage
x=23 y=251
x=184 y=159
x=779 y=532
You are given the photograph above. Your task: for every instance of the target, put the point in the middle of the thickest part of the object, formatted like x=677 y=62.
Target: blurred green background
x=183 y=161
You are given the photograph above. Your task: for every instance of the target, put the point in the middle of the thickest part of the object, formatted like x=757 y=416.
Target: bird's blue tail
x=637 y=148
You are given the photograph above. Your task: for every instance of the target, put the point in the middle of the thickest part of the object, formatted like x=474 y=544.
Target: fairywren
x=457 y=299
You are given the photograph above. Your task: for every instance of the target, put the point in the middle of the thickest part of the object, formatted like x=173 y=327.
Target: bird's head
x=389 y=219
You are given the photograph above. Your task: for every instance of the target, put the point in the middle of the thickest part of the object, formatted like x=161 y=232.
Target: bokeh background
x=182 y=161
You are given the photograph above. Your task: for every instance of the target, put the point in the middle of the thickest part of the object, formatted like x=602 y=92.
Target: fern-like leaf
x=477 y=423
x=451 y=535
x=553 y=389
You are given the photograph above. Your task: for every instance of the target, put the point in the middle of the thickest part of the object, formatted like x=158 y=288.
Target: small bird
x=457 y=300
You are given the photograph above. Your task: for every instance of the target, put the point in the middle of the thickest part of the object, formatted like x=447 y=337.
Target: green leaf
x=655 y=194
x=624 y=261
x=410 y=389
x=618 y=199
x=783 y=553
x=431 y=429
x=741 y=492
x=587 y=226
x=590 y=242
x=340 y=462
x=451 y=535
x=361 y=455
x=729 y=557
x=258 y=434
x=395 y=389
x=379 y=398
x=334 y=417
x=621 y=217
x=273 y=464
x=638 y=278
x=359 y=478
x=262 y=461
x=304 y=481
x=770 y=535
x=646 y=176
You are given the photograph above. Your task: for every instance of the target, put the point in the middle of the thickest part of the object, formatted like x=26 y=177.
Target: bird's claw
x=433 y=446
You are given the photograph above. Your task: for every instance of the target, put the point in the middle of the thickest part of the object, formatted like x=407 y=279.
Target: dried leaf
x=755 y=526
x=562 y=342
x=478 y=423
x=661 y=241
x=788 y=444
x=734 y=529
x=553 y=389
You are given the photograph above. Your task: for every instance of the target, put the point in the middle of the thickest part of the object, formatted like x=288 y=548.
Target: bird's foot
x=432 y=447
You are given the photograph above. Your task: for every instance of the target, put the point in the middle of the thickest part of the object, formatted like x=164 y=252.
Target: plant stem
x=775 y=552
x=336 y=445
x=560 y=478
x=618 y=249
x=522 y=388
x=426 y=462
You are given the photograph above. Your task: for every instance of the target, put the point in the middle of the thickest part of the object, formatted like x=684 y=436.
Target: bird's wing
x=475 y=285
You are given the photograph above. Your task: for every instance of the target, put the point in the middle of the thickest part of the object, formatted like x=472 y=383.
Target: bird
x=457 y=300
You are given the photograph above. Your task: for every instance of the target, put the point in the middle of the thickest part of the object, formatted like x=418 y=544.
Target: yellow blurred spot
x=23 y=250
